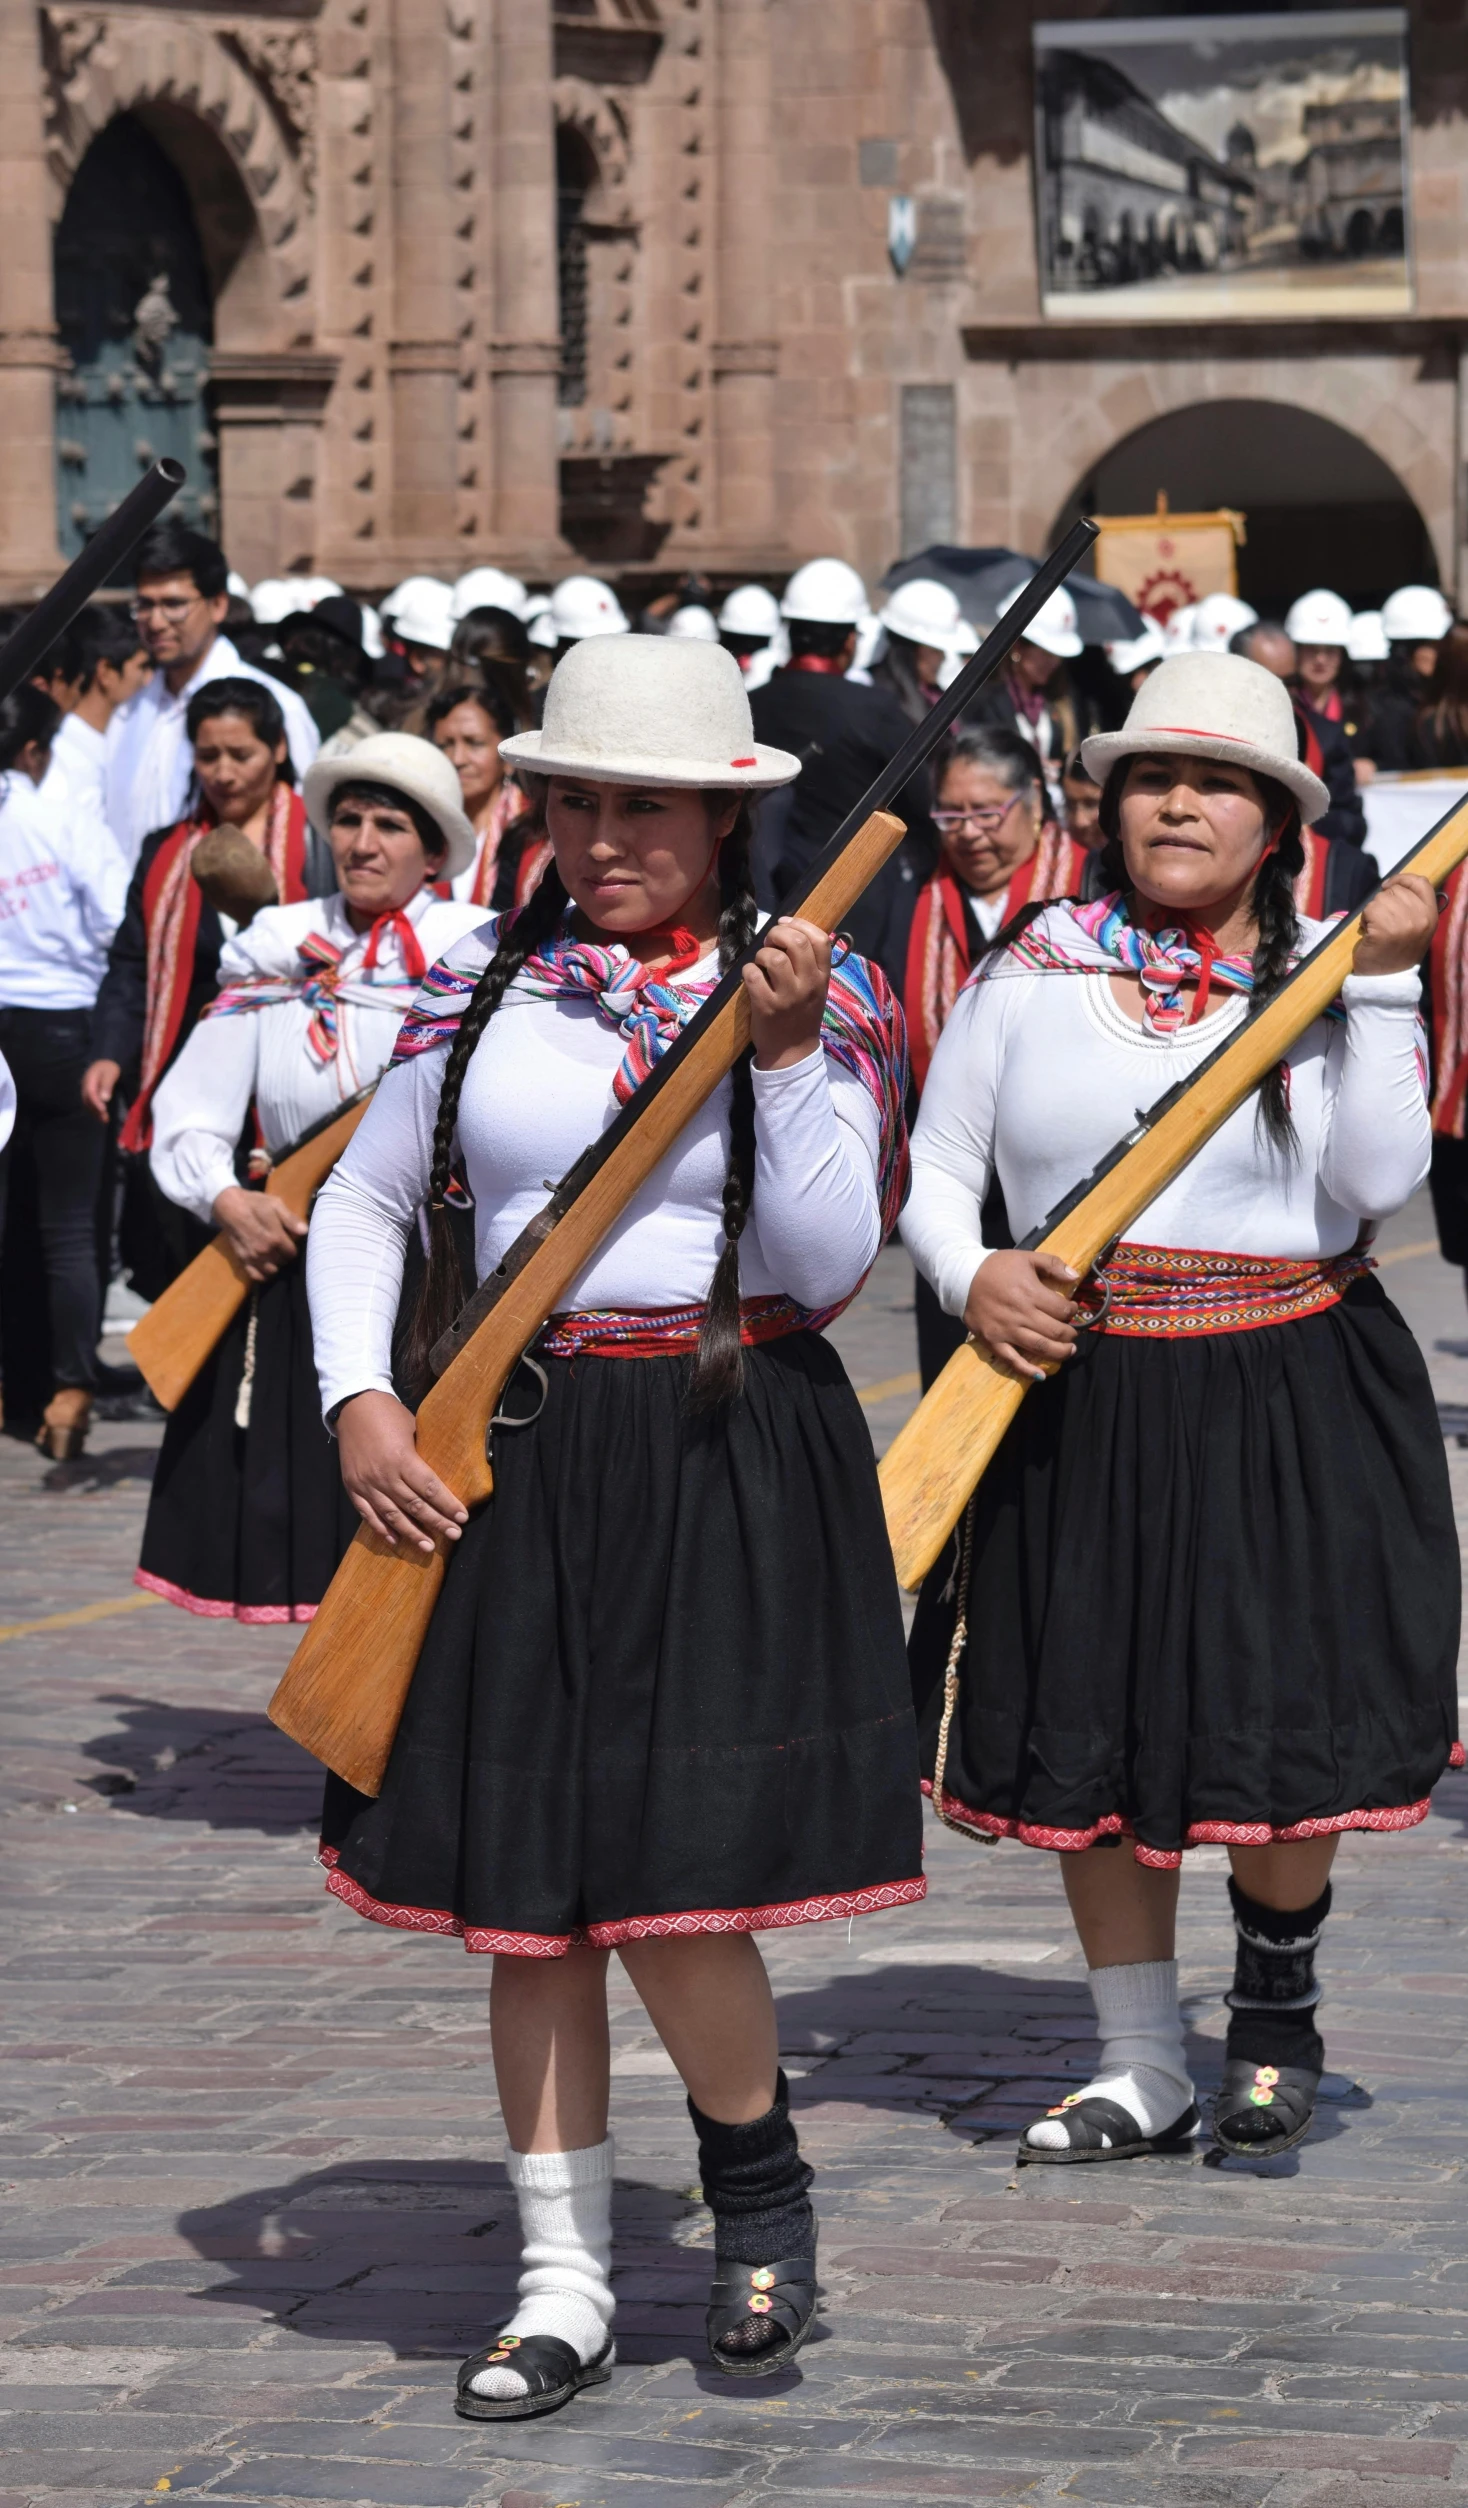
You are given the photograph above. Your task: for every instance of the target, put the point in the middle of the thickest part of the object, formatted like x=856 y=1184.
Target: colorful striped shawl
x=862 y=1029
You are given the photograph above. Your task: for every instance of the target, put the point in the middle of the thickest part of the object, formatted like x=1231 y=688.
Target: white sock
x=565 y=2200
x=1142 y=2068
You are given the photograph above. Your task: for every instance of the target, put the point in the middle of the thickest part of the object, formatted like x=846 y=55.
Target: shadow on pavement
x=228 y=1767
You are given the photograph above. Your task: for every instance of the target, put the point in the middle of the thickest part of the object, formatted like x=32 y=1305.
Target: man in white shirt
x=180 y=607
x=98 y=664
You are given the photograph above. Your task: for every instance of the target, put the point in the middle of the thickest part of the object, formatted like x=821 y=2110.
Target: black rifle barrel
x=103 y=554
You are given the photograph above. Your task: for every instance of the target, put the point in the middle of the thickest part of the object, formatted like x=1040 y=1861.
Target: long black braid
x=718 y=1371
x=1273 y=907
x=443 y=1291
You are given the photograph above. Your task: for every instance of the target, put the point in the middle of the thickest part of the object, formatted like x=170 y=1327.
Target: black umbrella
x=980 y=579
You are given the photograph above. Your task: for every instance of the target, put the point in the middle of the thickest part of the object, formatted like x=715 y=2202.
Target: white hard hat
x=924 y=611
x=488 y=588
x=1217 y=617
x=1054 y=628
x=693 y=624
x=313 y=589
x=825 y=593
x=749 y=610
x=273 y=599
x=1177 y=631
x=419 y=610
x=582 y=605
x=236 y=586
x=1137 y=653
x=1415 y=614
x=1319 y=618
x=1213 y=705
x=1367 y=641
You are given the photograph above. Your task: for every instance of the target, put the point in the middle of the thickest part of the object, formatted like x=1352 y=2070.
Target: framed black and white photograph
x=1194 y=167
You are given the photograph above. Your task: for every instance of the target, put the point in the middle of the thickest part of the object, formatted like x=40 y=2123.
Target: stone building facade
x=541 y=282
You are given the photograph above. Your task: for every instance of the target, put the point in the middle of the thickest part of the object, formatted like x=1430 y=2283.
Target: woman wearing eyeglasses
x=998 y=851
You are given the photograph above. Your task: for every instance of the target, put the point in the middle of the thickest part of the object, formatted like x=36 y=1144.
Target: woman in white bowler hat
x=662 y=1704
x=1211 y=1577
x=247 y=1519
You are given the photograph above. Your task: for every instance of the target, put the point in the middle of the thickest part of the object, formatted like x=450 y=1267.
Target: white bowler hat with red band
x=1213 y=705
x=650 y=710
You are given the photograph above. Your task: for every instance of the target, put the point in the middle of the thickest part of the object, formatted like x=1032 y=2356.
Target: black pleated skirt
x=1214 y=1595
x=664 y=1690
x=250 y=1523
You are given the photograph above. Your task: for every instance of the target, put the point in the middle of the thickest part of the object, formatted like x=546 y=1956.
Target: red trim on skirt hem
x=607 y=1937
x=1201 y=1832
x=208 y=1607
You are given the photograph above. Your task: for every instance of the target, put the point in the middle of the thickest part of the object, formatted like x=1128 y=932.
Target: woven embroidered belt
x=1164 y=1291
x=661 y=1332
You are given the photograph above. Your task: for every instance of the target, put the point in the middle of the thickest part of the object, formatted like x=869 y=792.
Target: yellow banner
x=1163 y=562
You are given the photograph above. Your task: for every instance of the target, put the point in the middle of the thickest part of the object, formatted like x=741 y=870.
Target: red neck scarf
x=940 y=944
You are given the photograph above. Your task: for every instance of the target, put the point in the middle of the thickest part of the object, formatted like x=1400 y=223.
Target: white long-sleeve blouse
x=538 y=1089
x=1037 y=1075
x=263 y=1053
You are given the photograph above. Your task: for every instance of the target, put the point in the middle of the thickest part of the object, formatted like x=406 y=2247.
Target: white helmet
x=1319 y=618
x=274 y=598
x=1177 y=629
x=1137 y=653
x=693 y=624
x=580 y=606
x=749 y=610
x=421 y=611
x=1367 y=639
x=1217 y=617
x=825 y=593
x=924 y=611
x=488 y=588
x=1415 y=614
x=1054 y=628
x=236 y=586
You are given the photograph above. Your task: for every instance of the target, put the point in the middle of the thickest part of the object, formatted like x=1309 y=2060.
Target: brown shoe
x=64 y=1423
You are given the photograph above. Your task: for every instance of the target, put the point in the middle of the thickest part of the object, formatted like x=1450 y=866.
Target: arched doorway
x=134 y=312
x=1321 y=506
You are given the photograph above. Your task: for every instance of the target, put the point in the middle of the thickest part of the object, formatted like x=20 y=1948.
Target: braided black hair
x=1273 y=909
x=718 y=1370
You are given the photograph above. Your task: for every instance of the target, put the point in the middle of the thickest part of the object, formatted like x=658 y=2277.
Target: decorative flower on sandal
x=1265 y=2077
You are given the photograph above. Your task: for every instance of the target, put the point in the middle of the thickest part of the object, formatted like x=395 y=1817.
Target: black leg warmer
x=1274 y=1990
x=754 y=2183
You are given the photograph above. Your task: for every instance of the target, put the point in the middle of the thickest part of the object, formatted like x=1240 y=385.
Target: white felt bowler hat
x=925 y=612
x=650 y=710
x=1319 y=618
x=1054 y=627
x=1213 y=705
x=407 y=765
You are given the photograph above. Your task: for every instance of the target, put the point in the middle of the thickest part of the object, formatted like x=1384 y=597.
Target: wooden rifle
x=171 y=1342
x=343 y=1692
x=935 y=1463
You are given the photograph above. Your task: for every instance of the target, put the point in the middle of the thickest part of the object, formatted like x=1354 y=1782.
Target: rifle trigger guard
x=526 y=1419
x=1090 y=1318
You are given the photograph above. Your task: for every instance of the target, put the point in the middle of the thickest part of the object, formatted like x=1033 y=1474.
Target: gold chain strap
x=976 y=1837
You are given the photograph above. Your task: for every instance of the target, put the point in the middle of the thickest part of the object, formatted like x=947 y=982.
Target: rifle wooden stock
x=171 y=1342
x=935 y=1462
x=343 y=1692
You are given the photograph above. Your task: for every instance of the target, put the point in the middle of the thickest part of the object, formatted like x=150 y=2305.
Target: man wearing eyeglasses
x=180 y=606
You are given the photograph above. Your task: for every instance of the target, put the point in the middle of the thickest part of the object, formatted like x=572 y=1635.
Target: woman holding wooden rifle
x=247 y=1518
x=1211 y=1577
x=662 y=1703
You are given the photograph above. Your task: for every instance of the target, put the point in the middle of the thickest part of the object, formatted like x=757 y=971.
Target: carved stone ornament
x=286 y=65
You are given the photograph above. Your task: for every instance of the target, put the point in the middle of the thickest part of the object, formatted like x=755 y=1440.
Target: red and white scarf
x=940 y=948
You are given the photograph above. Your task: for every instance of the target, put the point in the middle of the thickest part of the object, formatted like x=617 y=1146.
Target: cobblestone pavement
x=255 y=2208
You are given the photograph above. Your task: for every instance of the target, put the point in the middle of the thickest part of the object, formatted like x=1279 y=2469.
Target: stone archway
x=235 y=114
x=1322 y=506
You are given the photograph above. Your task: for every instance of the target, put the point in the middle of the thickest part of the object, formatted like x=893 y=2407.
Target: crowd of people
x=478 y=856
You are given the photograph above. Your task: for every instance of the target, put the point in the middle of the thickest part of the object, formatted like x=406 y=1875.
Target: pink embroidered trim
x=605 y=1937
x=207 y=1607
x=1201 y=1832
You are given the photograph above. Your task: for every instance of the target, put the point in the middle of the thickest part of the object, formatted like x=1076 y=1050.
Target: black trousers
x=64 y=1144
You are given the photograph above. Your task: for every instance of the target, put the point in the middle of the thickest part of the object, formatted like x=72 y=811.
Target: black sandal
x=1099 y=2129
x=553 y=2372
x=1274 y=2102
x=785 y=2291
